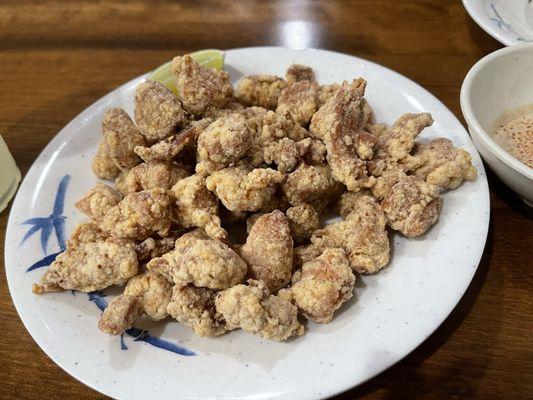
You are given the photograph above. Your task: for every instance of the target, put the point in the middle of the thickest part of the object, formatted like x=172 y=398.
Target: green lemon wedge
x=211 y=58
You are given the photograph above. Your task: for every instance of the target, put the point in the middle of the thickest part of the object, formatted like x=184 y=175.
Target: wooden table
x=57 y=58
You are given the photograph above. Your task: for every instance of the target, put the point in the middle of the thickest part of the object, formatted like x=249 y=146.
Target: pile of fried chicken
x=274 y=154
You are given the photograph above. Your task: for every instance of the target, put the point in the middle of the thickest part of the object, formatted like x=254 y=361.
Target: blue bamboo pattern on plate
x=504 y=25
x=55 y=223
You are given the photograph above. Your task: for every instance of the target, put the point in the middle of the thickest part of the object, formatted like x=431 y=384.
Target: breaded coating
x=202 y=262
x=200 y=88
x=325 y=92
x=286 y=154
x=444 y=164
x=386 y=181
x=298 y=73
x=412 y=206
x=90 y=266
x=339 y=123
x=153 y=291
x=323 y=285
x=139 y=215
x=361 y=235
x=223 y=143
x=260 y=90
x=195 y=307
x=347 y=202
x=298 y=102
x=157 y=111
x=150 y=175
x=98 y=201
x=197 y=207
x=310 y=184
x=103 y=165
x=167 y=149
x=303 y=221
x=155 y=247
x=244 y=189
x=316 y=152
x=121 y=137
x=305 y=253
x=253 y=309
x=276 y=127
x=268 y=250
x=120 y=314
x=252 y=219
x=86 y=232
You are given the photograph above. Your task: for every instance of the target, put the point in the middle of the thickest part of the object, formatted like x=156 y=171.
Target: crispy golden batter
x=260 y=90
x=323 y=285
x=244 y=189
x=120 y=314
x=103 y=165
x=86 y=232
x=361 y=235
x=154 y=293
x=157 y=111
x=443 y=164
x=340 y=124
x=305 y=253
x=150 y=175
x=200 y=88
x=347 y=202
x=169 y=148
x=310 y=184
x=268 y=250
x=121 y=136
x=98 y=201
x=298 y=102
x=386 y=181
x=298 y=73
x=412 y=206
x=202 y=262
x=197 y=207
x=223 y=143
x=251 y=308
x=316 y=152
x=155 y=247
x=325 y=92
x=286 y=154
x=303 y=221
x=90 y=266
x=195 y=307
x=139 y=215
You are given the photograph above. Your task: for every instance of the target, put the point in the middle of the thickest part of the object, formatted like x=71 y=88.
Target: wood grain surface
x=56 y=58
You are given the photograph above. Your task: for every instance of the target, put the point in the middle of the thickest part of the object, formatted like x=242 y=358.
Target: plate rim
x=339 y=387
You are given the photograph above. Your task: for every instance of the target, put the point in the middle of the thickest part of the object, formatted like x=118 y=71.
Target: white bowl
x=496 y=83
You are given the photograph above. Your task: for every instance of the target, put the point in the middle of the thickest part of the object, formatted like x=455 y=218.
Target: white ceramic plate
x=391 y=313
x=508 y=21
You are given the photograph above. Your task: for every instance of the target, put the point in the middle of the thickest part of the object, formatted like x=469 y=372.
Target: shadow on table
x=505 y=194
x=408 y=378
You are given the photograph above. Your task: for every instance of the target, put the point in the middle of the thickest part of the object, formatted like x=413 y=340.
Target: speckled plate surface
x=508 y=21
x=390 y=314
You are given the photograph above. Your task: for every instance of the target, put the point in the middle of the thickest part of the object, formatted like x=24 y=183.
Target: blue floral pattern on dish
x=504 y=25
x=55 y=222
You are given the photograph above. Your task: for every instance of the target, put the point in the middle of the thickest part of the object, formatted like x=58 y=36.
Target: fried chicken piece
x=223 y=143
x=200 y=88
x=323 y=285
x=195 y=307
x=90 y=266
x=167 y=149
x=303 y=221
x=155 y=247
x=146 y=294
x=303 y=254
x=197 y=207
x=202 y=262
x=103 y=165
x=316 y=152
x=444 y=164
x=150 y=175
x=86 y=232
x=286 y=153
x=244 y=189
x=232 y=107
x=298 y=102
x=325 y=92
x=412 y=206
x=339 y=123
x=251 y=308
x=121 y=136
x=310 y=184
x=386 y=181
x=347 y=202
x=139 y=215
x=276 y=127
x=260 y=90
x=298 y=73
x=361 y=235
x=98 y=201
x=268 y=250
x=157 y=111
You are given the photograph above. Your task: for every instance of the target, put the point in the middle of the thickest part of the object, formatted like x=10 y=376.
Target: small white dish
x=497 y=83
x=391 y=313
x=508 y=21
